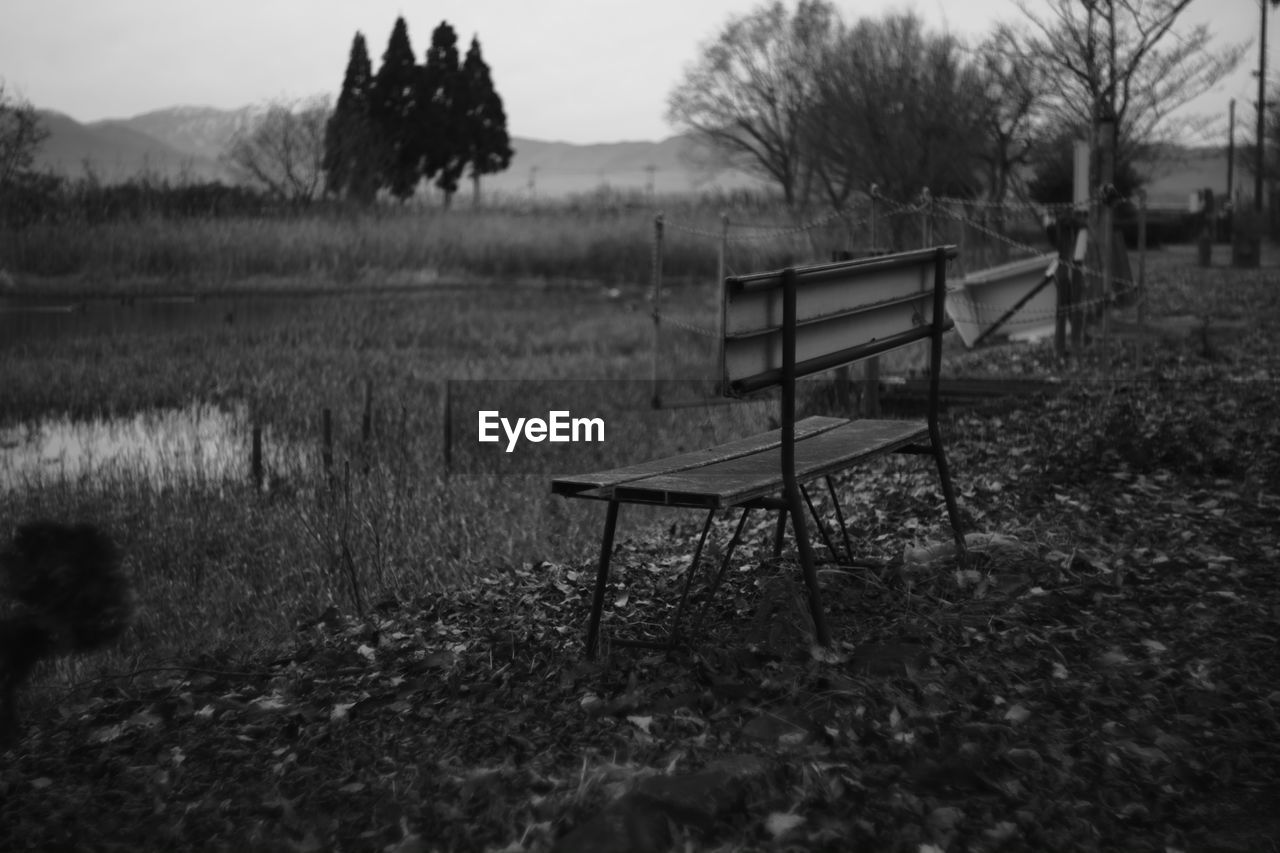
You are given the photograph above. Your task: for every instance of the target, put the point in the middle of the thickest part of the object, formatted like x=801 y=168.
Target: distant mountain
x=115 y=151
x=559 y=168
x=203 y=131
x=187 y=141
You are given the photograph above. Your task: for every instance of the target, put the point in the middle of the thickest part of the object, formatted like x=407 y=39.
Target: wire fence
x=993 y=240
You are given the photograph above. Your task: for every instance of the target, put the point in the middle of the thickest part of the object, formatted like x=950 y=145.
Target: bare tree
x=1015 y=87
x=899 y=107
x=283 y=151
x=1151 y=67
x=750 y=92
x=21 y=134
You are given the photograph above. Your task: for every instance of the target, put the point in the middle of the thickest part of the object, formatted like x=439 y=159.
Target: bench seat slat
x=588 y=484
x=741 y=478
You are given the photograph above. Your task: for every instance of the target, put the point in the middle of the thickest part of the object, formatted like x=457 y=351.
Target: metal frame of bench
x=831 y=315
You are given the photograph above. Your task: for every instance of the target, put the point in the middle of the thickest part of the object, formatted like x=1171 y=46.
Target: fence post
x=446 y=405
x=257 y=458
x=1142 y=261
x=366 y=420
x=1062 y=303
x=1080 y=289
x=926 y=217
x=722 y=270
x=326 y=444
x=656 y=299
x=875 y=191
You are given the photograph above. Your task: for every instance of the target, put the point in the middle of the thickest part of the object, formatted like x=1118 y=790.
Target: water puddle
x=201 y=443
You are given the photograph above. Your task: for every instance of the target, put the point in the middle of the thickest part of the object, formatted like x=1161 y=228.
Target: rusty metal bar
x=817 y=522
x=1049 y=277
x=688 y=581
x=724 y=564
x=935 y=371
x=844 y=530
x=602 y=579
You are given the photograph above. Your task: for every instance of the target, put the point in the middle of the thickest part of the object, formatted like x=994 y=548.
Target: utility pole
x=1095 y=165
x=1247 y=228
x=1108 y=133
x=1231 y=151
x=1262 y=100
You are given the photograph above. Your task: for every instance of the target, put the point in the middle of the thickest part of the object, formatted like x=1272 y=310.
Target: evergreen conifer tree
x=488 y=146
x=351 y=160
x=396 y=113
x=444 y=142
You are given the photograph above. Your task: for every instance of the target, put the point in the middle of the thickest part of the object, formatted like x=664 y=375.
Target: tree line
x=409 y=122
x=825 y=109
x=819 y=107
x=389 y=130
x=441 y=120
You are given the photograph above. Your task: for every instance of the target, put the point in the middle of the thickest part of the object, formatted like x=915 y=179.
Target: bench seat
x=738 y=472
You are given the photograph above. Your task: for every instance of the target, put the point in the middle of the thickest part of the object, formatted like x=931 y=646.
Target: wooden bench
x=780 y=326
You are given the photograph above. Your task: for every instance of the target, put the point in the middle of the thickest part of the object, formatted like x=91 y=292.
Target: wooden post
x=1079 y=287
x=722 y=270
x=871 y=219
x=1108 y=268
x=1142 y=261
x=926 y=218
x=257 y=458
x=1063 y=301
x=1205 y=240
x=656 y=298
x=326 y=445
x=447 y=434
x=366 y=421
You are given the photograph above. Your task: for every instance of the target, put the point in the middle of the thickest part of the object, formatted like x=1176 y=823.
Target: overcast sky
x=573 y=70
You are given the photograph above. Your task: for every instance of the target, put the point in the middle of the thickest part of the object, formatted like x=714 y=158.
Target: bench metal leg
x=795 y=508
x=948 y=491
x=602 y=579
x=688 y=581
x=844 y=530
x=817 y=522
x=724 y=564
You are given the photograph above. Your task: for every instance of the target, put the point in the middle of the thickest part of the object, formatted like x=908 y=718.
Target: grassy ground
x=598 y=240
x=393 y=520
x=370 y=250
x=1108 y=688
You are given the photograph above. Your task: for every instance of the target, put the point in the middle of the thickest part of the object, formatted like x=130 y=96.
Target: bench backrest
x=841 y=313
